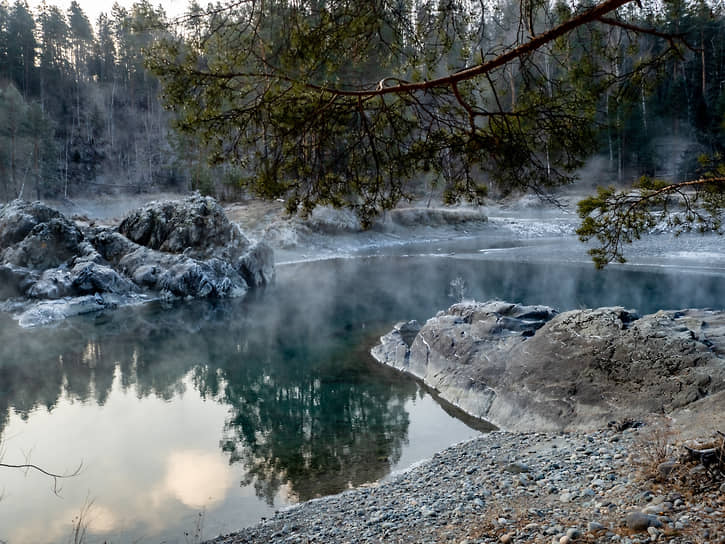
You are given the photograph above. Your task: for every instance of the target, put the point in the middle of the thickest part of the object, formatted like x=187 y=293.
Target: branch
x=466 y=106
x=618 y=218
x=588 y=16
x=671 y=38
x=591 y=15
x=56 y=477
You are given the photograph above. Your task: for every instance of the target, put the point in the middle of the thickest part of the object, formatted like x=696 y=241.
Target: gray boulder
x=180 y=249
x=257 y=265
x=529 y=368
x=187 y=248
x=46 y=245
x=196 y=227
x=15 y=280
x=19 y=217
x=52 y=284
x=90 y=278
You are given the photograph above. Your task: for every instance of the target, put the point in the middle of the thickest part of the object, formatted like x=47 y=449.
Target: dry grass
x=657 y=445
x=81 y=522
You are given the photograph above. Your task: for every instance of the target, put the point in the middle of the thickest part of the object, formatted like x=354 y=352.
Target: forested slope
x=80 y=114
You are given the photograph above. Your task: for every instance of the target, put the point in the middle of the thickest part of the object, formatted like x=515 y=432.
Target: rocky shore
x=599 y=487
x=53 y=266
x=589 y=479
x=530 y=368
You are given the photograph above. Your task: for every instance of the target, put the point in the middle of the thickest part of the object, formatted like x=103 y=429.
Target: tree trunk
x=702 y=60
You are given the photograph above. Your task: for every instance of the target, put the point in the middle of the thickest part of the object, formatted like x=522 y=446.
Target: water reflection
x=304 y=412
x=321 y=434
x=172 y=409
x=300 y=403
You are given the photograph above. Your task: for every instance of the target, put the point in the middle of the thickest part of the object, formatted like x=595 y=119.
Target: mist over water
x=234 y=408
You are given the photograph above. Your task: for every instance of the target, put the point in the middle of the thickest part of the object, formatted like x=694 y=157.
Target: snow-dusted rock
x=173 y=249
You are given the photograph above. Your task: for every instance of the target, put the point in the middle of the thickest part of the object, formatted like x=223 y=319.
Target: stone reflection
x=306 y=415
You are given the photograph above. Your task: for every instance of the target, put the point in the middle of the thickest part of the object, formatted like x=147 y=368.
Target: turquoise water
x=201 y=418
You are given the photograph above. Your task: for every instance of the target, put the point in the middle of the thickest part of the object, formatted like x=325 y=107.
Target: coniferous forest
x=82 y=115
x=79 y=113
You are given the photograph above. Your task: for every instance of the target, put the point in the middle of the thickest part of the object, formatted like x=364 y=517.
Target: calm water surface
x=204 y=417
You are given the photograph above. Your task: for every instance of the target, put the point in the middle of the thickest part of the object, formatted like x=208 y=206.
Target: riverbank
x=427 y=503
x=519 y=487
x=533 y=487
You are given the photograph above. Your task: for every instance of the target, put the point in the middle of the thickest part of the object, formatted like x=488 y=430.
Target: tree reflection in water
x=305 y=412
x=308 y=412
x=318 y=428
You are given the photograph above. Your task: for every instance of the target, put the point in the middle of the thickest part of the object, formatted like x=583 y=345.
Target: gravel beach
x=520 y=487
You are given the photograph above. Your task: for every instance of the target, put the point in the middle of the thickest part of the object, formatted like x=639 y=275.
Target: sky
x=93 y=8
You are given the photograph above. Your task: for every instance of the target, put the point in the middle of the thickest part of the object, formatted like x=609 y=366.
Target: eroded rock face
x=196 y=226
x=36 y=237
x=176 y=249
x=529 y=368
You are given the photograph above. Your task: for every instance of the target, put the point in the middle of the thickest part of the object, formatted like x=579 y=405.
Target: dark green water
x=214 y=414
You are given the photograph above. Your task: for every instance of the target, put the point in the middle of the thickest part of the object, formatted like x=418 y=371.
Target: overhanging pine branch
x=591 y=15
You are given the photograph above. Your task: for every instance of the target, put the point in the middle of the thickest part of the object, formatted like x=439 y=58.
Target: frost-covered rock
x=36 y=238
x=257 y=265
x=433 y=217
x=529 y=368
x=175 y=249
x=196 y=227
x=18 y=218
x=15 y=280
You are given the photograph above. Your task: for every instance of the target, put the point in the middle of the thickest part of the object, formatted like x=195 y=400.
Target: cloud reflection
x=199 y=479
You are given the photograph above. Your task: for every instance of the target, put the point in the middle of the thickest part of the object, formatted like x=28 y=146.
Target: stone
x=19 y=217
x=90 y=278
x=517 y=468
x=594 y=526
x=47 y=245
x=566 y=496
x=257 y=265
x=527 y=368
x=16 y=281
x=666 y=468
x=196 y=226
x=172 y=249
x=638 y=521
x=573 y=533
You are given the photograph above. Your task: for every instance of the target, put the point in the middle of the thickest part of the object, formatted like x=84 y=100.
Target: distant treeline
x=79 y=112
x=81 y=115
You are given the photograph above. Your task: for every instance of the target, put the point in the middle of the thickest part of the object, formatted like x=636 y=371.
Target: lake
x=199 y=418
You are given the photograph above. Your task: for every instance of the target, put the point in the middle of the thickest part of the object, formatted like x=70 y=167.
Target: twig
x=56 y=477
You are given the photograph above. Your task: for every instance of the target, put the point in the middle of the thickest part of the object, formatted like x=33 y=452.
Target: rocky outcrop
x=173 y=249
x=529 y=368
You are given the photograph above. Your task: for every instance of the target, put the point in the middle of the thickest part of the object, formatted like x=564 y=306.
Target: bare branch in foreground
x=54 y=476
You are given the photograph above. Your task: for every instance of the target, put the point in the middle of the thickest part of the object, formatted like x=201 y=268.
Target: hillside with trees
x=79 y=112
x=333 y=102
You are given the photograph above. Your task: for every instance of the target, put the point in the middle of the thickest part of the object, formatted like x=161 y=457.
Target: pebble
x=517 y=468
x=640 y=521
x=594 y=526
x=505 y=488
